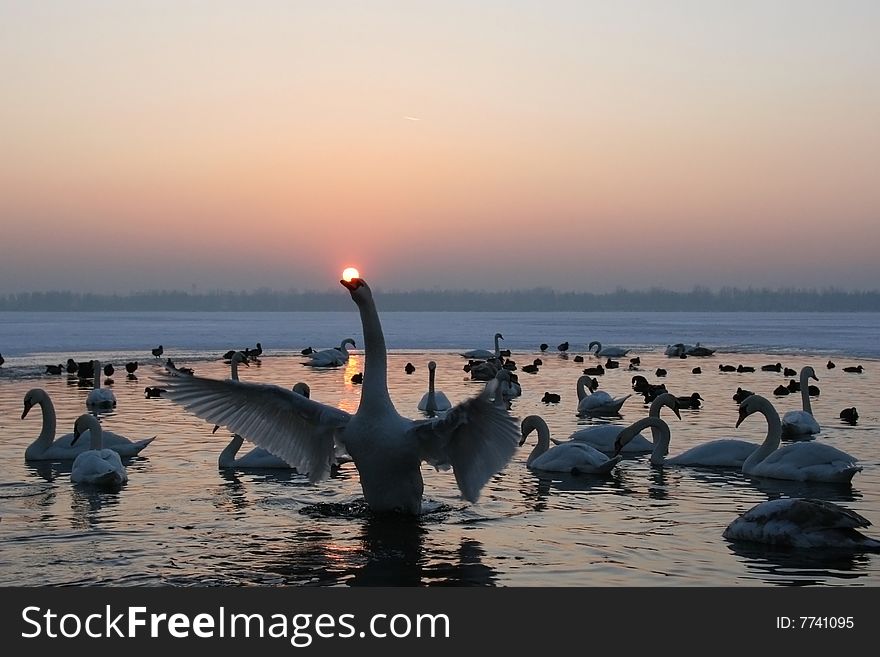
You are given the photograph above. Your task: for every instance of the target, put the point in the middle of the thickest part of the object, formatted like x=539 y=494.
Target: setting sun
x=350 y=273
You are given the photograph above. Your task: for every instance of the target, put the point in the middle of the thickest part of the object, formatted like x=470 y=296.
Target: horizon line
x=545 y=289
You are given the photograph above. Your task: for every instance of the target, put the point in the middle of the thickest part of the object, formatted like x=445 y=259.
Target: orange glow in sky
x=168 y=145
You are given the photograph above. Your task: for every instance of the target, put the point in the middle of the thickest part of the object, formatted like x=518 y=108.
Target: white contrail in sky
x=412 y=118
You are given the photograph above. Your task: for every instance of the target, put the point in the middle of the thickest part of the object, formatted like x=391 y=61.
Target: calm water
x=181 y=521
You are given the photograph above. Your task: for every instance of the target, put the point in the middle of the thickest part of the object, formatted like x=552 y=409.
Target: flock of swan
x=475 y=438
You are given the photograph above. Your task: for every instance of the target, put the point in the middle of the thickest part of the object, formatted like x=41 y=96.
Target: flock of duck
x=475 y=438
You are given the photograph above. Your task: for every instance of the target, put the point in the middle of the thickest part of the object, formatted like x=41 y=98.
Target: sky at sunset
x=579 y=145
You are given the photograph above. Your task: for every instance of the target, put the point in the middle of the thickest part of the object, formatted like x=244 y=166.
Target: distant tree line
x=726 y=299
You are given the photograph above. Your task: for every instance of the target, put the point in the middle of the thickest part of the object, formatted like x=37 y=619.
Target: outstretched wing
x=292 y=427
x=476 y=437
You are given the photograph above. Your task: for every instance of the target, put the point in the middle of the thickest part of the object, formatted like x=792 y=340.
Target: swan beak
x=76 y=435
x=214 y=430
x=675 y=410
x=27 y=408
x=522 y=441
x=742 y=416
x=353 y=284
x=618 y=446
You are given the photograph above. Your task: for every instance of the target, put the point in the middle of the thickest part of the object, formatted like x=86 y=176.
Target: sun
x=350 y=273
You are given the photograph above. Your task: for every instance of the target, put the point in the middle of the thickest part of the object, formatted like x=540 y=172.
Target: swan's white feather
x=801 y=523
x=807 y=462
x=722 y=453
x=476 y=437
x=602 y=438
x=574 y=457
x=101 y=397
x=799 y=423
x=98 y=467
x=292 y=427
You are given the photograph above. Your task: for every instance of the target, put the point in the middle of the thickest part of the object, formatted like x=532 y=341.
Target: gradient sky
x=580 y=145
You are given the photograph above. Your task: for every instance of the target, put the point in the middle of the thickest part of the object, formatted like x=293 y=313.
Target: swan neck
x=539 y=425
x=771 y=441
x=227 y=456
x=497 y=348
x=234 y=366
x=580 y=388
x=656 y=405
x=805 y=393
x=97 y=373
x=660 y=434
x=47 y=432
x=375 y=388
x=431 y=403
x=96 y=440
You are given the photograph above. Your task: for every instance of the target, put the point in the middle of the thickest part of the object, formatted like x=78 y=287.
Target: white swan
x=603 y=437
x=257 y=457
x=46 y=448
x=508 y=386
x=802 y=423
x=614 y=352
x=476 y=437
x=433 y=401
x=799 y=461
x=597 y=402
x=331 y=357
x=678 y=349
x=485 y=354
x=573 y=457
x=699 y=350
x=802 y=523
x=100 y=397
x=722 y=453
x=97 y=466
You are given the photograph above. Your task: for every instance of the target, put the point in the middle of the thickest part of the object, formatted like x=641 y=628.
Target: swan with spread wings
x=476 y=438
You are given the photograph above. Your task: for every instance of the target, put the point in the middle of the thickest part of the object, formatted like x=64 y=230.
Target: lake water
x=182 y=521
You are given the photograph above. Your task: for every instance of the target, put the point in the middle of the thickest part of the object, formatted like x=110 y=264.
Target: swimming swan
x=802 y=523
x=433 y=401
x=799 y=461
x=614 y=352
x=723 y=453
x=97 y=466
x=331 y=357
x=485 y=354
x=602 y=437
x=596 y=403
x=802 y=423
x=476 y=437
x=46 y=448
x=573 y=457
x=100 y=397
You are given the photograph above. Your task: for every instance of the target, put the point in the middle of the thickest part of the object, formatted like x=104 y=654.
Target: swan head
x=810 y=373
x=83 y=423
x=529 y=424
x=239 y=358
x=303 y=389
x=31 y=399
x=432 y=365
x=355 y=284
x=751 y=404
x=499 y=336
x=668 y=399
